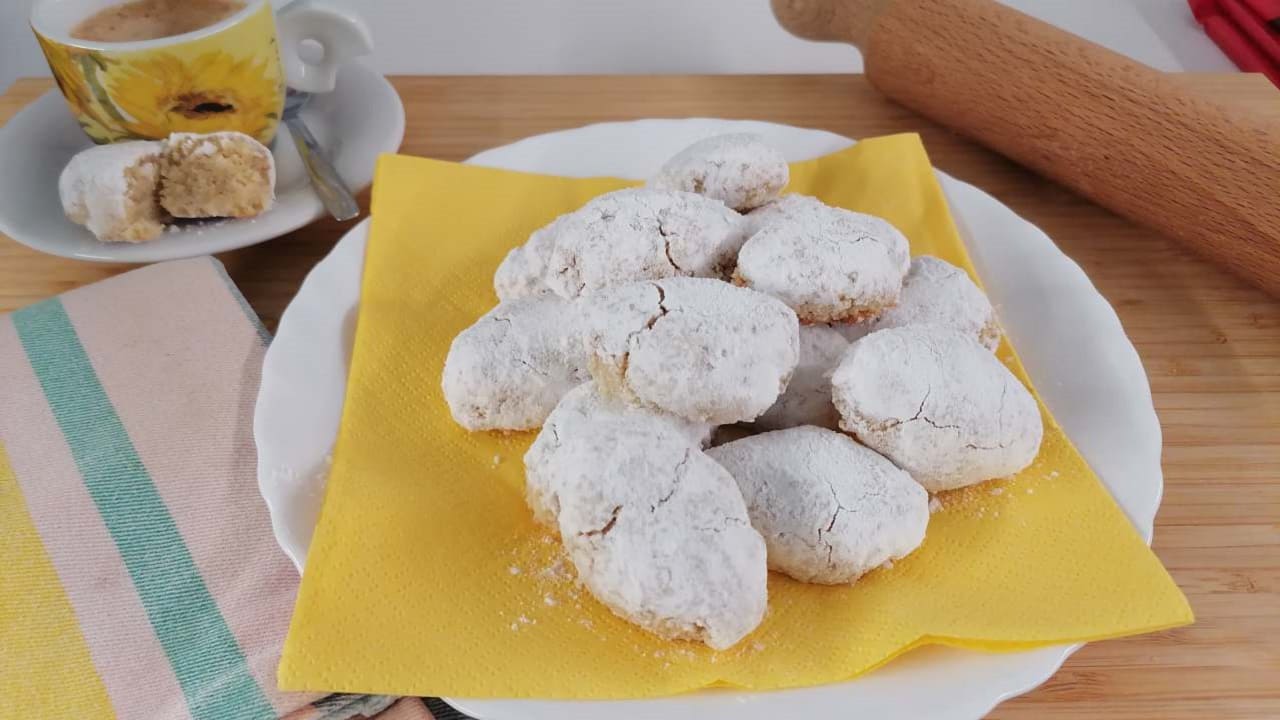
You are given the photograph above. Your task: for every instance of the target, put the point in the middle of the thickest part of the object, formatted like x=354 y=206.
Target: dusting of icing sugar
x=94 y=185
x=829 y=509
x=641 y=234
x=787 y=208
x=829 y=265
x=697 y=348
x=807 y=399
x=938 y=404
x=738 y=169
x=509 y=369
x=520 y=274
x=585 y=414
x=656 y=530
x=937 y=292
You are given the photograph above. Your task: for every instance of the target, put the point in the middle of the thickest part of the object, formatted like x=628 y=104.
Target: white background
x=662 y=36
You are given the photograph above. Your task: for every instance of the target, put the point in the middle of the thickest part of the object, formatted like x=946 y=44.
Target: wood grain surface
x=1210 y=344
x=1129 y=137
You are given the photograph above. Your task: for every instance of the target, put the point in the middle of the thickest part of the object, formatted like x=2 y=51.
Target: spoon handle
x=333 y=192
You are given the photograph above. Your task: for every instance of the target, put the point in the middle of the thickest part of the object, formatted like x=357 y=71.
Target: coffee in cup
x=151 y=19
x=197 y=66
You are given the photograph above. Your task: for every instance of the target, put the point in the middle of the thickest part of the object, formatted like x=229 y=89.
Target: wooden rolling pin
x=1117 y=131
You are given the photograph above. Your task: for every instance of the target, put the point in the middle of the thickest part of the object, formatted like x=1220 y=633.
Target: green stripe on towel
x=206 y=659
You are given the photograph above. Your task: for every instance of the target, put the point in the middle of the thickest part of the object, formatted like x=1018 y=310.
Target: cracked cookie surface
x=584 y=423
x=738 y=169
x=700 y=349
x=807 y=399
x=509 y=369
x=641 y=234
x=829 y=265
x=657 y=531
x=828 y=508
x=939 y=293
x=938 y=404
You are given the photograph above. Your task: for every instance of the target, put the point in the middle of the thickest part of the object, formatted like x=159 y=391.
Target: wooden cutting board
x=1210 y=344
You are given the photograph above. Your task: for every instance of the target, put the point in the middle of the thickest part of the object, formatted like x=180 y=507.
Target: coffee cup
x=230 y=74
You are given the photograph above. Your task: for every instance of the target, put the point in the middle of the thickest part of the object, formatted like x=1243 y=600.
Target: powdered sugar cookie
x=641 y=234
x=521 y=272
x=701 y=349
x=787 y=208
x=509 y=369
x=807 y=399
x=657 y=530
x=829 y=266
x=111 y=190
x=938 y=404
x=829 y=509
x=937 y=292
x=738 y=169
x=585 y=416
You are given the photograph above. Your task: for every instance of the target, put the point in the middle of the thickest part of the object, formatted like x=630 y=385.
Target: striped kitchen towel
x=138 y=574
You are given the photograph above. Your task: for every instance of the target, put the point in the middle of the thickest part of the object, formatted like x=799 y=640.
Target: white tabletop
x=664 y=36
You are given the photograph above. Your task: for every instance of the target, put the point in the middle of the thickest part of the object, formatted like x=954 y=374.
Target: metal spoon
x=333 y=192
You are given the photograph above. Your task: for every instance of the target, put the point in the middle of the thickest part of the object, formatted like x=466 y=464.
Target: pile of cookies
x=730 y=381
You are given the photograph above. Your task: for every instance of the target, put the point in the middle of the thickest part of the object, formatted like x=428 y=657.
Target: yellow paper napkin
x=427 y=575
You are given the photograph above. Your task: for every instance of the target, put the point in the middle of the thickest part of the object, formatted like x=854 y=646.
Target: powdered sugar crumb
x=935 y=505
x=513 y=570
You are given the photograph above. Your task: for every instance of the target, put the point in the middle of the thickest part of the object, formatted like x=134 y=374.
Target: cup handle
x=340 y=32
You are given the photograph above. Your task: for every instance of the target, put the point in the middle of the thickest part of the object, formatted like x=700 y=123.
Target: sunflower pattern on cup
x=159 y=94
x=228 y=81
x=72 y=67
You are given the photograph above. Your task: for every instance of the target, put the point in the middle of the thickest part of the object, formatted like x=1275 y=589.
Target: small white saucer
x=360 y=119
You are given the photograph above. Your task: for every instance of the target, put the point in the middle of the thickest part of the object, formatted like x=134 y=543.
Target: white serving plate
x=362 y=118
x=1067 y=334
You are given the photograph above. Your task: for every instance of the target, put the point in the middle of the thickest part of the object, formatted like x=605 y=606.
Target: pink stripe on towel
x=133 y=666
x=187 y=406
